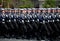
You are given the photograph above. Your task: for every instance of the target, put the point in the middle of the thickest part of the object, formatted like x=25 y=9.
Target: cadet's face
x=49 y=11
x=46 y=11
x=33 y=10
x=12 y=11
x=43 y=11
x=24 y=11
x=8 y=11
x=3 y=11
x=19 y=11
x=39 y=11
x=53 y=11
x=16 y=10
x=29 y=11
x=58 y=10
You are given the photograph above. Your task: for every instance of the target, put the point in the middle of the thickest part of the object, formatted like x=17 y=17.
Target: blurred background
x=29 y=3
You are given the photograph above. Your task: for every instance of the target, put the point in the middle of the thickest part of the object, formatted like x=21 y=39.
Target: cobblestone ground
x=25 y=40
x=17 y=40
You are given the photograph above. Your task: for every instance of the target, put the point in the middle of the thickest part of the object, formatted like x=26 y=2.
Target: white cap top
x=16 y=8
x=53 y=8
x=40 y=8
x=12 y=9
x=29 y=9
x=49 y=8
x=24 y=8
x=34 y=8
x=3 y=9
x=44 y=8
x=21 y=9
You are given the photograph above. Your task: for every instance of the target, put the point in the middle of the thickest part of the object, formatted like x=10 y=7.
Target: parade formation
x=30 y=23
x=31 y=14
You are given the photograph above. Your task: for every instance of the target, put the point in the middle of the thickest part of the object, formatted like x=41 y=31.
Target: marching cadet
x=7 y=12
x=3 y=14
x=40 y=15
x=33 y=10
x=59 y=10
x=29 y=10
x=43 y=14
x=46 y=14
x=41 y=9
x=17 y=11
x=38 y=11
x=29 y=16
x=12 y=13
x=54 y=14
x=34 y=15
x=22 y=15
x=49 y=14
x=55 y=11
x=46 y=11
x=5 y=27
x=3 y=11
x=49 y=11
x=24 y=12
x=25 y=15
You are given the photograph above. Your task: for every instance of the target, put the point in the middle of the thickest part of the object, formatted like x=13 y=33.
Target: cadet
x=22 y=15
x=40 y=17
x=49 y=14
x=34 y=15
x=29 y=16
x=12 y=14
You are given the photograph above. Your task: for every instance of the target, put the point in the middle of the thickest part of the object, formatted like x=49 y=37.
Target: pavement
x=19 y=40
